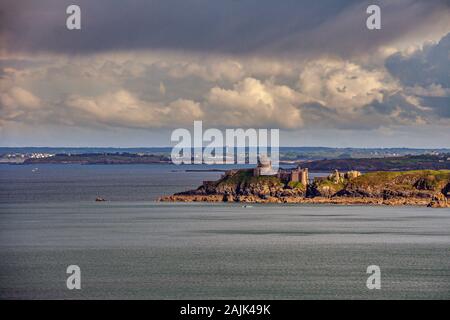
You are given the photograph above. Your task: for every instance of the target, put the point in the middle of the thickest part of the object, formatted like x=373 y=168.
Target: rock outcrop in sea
x=420 y=187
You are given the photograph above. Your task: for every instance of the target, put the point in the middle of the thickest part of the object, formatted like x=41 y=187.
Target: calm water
x=132 y=247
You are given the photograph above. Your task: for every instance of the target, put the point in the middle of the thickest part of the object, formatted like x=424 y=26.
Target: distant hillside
x=286 y=153
x=320 y=153
x=95 y=158
x=405 y=163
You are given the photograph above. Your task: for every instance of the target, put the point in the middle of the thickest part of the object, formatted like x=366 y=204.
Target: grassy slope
x=432 y=180
x=245 y=177
x=373 y=182
x=405 y=178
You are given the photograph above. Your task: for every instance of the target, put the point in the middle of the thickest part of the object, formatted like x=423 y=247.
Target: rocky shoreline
x=436 y=203
x=411 y=188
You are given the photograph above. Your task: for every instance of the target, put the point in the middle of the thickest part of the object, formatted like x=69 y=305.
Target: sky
x=139 y=69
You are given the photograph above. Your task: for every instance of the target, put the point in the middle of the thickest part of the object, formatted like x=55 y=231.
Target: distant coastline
x=440 y=161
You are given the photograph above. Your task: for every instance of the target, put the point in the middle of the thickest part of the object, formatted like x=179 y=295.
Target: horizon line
x=164 y=147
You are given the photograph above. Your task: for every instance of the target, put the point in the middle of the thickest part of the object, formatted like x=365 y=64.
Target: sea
x=133 y=247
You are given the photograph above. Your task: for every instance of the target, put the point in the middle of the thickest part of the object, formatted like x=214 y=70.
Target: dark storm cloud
x=405 y=111
x=393 y=109
x=293 y=64
x=440 y=105
x=425 y=67
x=427 y=71
x=237 y=26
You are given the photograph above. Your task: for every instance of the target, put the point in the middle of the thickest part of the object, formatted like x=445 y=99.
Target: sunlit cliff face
x=312 y=70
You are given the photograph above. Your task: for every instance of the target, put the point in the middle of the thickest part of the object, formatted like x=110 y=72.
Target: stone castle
x=339 y=177
x=298 y=174
x=294 y=175
x=264 y=168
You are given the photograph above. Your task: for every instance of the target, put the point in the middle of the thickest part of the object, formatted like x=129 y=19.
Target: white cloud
x=122 y=108
x=252 y=103
x=343 y=85
x=19 y=98
x=433 y=90
x=16 y=103
x=162 y=90
x=209 y=70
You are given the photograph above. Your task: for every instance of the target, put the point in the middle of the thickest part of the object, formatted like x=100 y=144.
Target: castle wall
x=295 y=176
x=304 y=177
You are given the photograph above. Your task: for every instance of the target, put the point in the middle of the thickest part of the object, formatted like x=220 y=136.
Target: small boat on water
x=246 y=206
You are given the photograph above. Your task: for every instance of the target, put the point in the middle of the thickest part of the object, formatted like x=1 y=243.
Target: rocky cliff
x=243 y=183
x=421 y=187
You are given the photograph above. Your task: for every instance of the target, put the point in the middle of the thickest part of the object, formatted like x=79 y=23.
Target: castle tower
x=304 y=176
x=264 y=168
x=295 y=175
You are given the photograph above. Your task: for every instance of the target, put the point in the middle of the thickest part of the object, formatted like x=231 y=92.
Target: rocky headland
x=420 y=187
